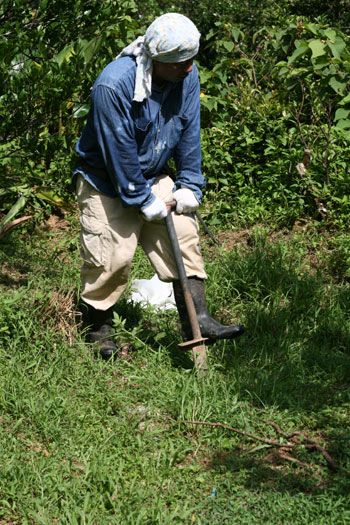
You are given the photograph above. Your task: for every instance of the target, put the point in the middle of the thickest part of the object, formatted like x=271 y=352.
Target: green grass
x=88 y=442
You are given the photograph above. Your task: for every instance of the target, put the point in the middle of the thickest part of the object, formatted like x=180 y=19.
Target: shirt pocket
x=142 y=127
x=176 y=126
x=93 y=240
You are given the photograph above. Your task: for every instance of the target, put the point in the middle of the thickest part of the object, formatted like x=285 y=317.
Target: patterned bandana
x=170 y=38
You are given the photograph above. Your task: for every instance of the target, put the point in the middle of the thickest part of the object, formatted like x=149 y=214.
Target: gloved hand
x=155 y=211
x=186 y=201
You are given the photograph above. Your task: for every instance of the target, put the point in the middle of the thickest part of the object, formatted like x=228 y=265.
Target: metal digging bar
x=197 y=343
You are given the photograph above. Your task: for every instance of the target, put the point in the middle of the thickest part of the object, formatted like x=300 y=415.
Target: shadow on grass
x=274 y=474
x=24 y=257
x=296 y=351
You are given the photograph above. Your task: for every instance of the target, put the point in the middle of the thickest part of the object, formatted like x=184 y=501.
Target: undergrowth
x=84 y=441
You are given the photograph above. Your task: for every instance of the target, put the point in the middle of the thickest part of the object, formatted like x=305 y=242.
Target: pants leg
x=108 y=239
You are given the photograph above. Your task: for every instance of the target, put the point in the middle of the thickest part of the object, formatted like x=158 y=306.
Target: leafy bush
x=50 y=56
x=262 y=117
x=273 y=86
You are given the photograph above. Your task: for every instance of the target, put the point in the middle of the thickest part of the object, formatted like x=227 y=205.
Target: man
x=144 y=110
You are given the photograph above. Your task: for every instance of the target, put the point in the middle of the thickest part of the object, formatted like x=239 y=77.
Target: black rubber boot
x=100 y=325
x=209 y=327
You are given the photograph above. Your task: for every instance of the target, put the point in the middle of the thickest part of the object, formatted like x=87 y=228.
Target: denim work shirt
x=132 y=141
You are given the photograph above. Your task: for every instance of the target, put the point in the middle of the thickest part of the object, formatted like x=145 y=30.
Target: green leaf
x=338 y=86
x=337 y=47
x=343 y=124
x=321 y=62
x=52 y=197
x=342 y=113
x=236 y=33
x=317 y=48
x=245 y=61
x=81 y=110
x=89 y=47
x=299 y=51
x=313 y=28
x=64 y=54
x=345 y=100
x=210 y=34
x=19 y=204
x=229 y=46
x=209 y=102
x=330 y=33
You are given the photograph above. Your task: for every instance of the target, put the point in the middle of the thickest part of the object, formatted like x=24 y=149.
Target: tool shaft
x=199 y=351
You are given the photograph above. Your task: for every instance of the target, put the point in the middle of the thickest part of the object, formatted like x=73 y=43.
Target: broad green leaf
x=299 y=51
x=204 y=75
x=229 y=46
x=81 y=110
x=89 y=47
x=52 y=197
x=317 y=48
x=333 y=49
x=313 y=28
x=42 y=5
x=209 y=102
x=321 y=62
x=345 y=100
x=236 y=33
x=337 y=85
x=337 y=47
x=330 y=33
x=343 y=124
x=64 y=54
x=19 y=204
x=283 y=71
x=244 y=61
x=210 y=34
x=342 y=113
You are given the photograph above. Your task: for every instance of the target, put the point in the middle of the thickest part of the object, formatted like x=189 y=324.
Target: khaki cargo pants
x=109 y=237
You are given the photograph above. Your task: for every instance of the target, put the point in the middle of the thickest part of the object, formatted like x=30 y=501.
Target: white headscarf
x=170 y=38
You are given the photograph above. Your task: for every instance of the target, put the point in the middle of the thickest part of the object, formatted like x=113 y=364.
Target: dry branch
x=242 y=433
x=311 y=443
x=308 y=443
x=10 y=225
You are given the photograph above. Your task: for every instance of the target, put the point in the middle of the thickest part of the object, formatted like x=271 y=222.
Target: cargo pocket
x=92 y=241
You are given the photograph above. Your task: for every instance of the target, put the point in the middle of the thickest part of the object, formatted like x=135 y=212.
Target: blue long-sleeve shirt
x=132 y=141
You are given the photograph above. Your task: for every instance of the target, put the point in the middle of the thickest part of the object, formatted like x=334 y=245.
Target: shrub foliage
x=275 y=100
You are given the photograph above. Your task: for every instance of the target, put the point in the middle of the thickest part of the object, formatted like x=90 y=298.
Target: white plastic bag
x=153 y=292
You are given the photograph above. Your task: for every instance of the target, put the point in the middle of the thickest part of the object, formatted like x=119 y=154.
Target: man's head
x=171 y=41
x=164 y=54
x=171 y=38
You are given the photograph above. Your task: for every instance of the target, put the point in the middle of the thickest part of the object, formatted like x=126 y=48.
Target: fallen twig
x=10 y=225
x=241 y=432
x=309 y=442
x=287 y=457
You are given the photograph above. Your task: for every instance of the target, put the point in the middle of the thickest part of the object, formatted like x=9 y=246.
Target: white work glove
x=186 y=201
x=155 y=211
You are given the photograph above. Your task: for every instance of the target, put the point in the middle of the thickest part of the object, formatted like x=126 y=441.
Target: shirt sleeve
x=187 y=154
x=115 y=133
